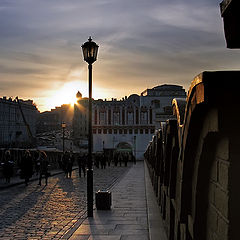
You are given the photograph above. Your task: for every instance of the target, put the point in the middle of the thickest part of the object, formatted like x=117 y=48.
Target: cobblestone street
x=49 y=212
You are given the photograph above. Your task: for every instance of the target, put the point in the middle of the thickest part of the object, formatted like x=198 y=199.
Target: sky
x=142 y=44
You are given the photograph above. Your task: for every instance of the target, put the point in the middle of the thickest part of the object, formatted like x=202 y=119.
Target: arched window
x=144 y=115
x=130 y=116
x=116 y=116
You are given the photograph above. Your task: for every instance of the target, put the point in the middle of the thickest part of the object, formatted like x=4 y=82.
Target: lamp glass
x=90 y=50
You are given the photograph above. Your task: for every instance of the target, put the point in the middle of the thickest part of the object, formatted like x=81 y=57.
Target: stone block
x=222 y=150
x=211 y=192
x=212 y=217
x=214 y=171
x=221 y=201
x=223 y=174
x=223 y=228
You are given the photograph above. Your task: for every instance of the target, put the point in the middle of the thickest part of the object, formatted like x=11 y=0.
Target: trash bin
x=103 y=200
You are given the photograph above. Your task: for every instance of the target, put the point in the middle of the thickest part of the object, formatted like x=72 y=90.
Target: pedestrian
x=97 y=159
x=109 y=159
x=26 y=166
x=115 y=158
x=37 y=162
x=120 y=158
x=127 y=158
x=70 y=164
x=65 y=159
x=7 y=166
x=43 y=170
x=134 y=159
x=103 y=161
x=81 y=160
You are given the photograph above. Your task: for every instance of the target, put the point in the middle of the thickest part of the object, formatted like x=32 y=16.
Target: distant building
x=80 y=120
x=13 y=130
x=127 y=123
x=52 y=120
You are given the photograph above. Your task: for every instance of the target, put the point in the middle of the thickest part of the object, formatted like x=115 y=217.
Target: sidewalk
x=134 y=214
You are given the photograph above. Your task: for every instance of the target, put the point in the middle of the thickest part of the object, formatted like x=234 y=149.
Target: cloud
x=143 y=43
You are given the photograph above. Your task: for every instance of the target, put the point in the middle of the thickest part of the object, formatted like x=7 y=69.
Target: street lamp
x=63 y=128
x=90 y=50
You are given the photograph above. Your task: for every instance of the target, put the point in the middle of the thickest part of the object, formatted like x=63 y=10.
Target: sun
x=66 y=94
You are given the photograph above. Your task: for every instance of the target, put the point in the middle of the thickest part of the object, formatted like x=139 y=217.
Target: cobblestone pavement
x=49 y=212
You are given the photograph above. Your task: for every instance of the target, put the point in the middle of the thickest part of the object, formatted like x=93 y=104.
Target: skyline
x=142 y=44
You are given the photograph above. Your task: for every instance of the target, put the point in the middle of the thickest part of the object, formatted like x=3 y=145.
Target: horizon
x=74 y=102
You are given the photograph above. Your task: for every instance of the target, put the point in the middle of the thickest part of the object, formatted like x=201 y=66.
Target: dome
x=78 y=95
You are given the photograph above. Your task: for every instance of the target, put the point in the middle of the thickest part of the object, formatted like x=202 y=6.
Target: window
x=130 y=131
x=141 y=131
x=137 y=117
x=152 y=131
x=150 y=113
x=102 y=118
x=110 y=131
x=135 y=131
x=99 y=131
x=144 y=117
x=104 y=131
x=130 y=118
x=146 y=131
x=95 y=117
x=123 y=116
x=116 y=118
x=109 y=116
x=125 y=131
x=94 y=131
x=120 y=131
x=115 y=131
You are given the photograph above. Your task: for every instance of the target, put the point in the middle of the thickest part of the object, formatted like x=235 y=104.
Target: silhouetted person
x=115 y=158
x=103 y=161
x=109 y=160
x=65 y=160
x=81 y=160
x=134 y=159
x=120 y=159
x=70 y=165
x=36 y=162
x=26 y=166
x=97 y=160
x=43 y=170
x=7 y=166
x=127 y=157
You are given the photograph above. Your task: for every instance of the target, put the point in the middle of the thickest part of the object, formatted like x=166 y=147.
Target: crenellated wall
x=194 y=161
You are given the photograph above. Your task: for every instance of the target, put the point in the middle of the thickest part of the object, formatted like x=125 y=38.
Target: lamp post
x=63 y=133
x=90 y=50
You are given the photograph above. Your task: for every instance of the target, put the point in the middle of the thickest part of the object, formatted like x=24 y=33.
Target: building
x=127 y=124
x=17 y=122
x=52 y=120
x=80 y=120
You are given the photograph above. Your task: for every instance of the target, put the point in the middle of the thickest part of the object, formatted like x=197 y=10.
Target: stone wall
x=194 y=161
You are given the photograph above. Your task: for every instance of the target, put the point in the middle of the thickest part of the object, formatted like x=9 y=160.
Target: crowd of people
x=30 y=164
